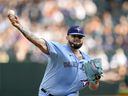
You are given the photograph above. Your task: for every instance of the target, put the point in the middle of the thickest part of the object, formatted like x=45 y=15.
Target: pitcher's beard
x=75 y=46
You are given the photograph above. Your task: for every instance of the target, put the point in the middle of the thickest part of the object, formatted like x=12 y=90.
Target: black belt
x=46 y=92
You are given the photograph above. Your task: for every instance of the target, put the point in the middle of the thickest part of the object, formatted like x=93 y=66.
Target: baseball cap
x=76 y=30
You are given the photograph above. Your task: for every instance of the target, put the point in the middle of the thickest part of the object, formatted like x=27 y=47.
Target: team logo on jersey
x=80 y=65
x=69 y=64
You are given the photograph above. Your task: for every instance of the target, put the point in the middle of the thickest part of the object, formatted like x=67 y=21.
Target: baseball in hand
x=11 y=12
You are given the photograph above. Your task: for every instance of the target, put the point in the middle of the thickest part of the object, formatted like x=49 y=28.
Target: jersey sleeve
x=52 y=49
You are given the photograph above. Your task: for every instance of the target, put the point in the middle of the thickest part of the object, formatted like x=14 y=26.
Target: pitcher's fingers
x=12 y=19
x=16 y=18
x=14 y=24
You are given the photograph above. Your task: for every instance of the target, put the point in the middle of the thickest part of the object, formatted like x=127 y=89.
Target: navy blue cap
x=76 y=30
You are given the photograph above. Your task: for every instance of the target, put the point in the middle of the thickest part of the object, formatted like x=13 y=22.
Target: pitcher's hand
x=13 y=19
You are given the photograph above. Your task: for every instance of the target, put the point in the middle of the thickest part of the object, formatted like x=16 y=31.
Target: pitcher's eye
x=78 y=36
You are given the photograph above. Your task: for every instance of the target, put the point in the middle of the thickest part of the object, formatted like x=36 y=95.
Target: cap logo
x=75 y=30
x=78 y=29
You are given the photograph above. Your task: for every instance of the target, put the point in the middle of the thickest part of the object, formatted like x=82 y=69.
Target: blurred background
x=105 y=23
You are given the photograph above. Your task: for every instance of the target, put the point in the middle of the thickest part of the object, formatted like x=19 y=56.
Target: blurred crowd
x=105 y=23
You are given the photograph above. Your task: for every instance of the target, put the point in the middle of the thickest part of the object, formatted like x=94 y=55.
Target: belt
x=46 y=92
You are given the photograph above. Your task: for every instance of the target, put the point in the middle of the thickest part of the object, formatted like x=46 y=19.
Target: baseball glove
x=93 y=70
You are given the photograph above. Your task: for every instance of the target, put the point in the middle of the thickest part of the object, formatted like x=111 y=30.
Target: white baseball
x=11 y=12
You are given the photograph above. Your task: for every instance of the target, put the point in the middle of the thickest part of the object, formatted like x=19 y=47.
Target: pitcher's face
x=75 y=41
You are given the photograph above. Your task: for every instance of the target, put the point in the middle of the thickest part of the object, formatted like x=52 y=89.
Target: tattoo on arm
x=39 y=42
